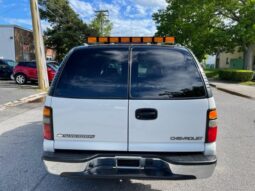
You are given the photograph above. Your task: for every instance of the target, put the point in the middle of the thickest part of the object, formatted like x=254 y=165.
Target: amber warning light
x=132 y=40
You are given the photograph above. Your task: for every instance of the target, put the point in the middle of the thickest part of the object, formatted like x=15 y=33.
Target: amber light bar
x=134 y=40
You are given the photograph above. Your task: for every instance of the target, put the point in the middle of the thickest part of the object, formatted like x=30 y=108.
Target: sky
x=129 y=17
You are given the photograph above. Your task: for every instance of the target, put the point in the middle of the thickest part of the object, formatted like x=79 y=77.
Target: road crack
x=40 y=181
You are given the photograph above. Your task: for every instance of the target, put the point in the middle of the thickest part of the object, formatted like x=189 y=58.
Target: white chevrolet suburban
x=130 y=111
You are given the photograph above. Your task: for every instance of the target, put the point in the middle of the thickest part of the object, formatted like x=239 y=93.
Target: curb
x=232 y=92
x=23 y=100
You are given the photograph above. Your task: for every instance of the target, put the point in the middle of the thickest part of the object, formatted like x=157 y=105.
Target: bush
x=236 y=75
x=211 y=73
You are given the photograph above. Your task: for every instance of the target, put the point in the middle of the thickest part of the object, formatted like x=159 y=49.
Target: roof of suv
x=177 y=47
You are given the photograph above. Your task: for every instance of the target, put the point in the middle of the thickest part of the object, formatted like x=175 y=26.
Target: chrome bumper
x=106 y=167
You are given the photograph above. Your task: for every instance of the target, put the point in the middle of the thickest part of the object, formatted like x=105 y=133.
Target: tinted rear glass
x=160 y=73
x=95 y=73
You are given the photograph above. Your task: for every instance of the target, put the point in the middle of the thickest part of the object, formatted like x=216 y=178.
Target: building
x=209 y=62
x=50 y=53
x=232 y=60
x=16 y=43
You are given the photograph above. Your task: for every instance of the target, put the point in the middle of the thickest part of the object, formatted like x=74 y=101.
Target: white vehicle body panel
x=212 y=104
x=104 y=119
x=176 y=118
x=108 y=121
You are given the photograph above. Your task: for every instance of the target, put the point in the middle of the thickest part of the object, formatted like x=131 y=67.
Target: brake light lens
x=212 y=126
x=47 y=123
x=212 y=134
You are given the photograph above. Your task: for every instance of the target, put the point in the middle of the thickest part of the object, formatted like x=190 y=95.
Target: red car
x=27 y=71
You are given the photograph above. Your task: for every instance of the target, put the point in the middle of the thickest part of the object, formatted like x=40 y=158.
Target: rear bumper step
x=121 y=165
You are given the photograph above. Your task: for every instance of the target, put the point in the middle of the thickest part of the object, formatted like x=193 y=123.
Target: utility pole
x=39 y=47
x=102 y=13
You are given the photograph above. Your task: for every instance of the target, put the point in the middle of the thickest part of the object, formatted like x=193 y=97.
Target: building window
x=227 y=61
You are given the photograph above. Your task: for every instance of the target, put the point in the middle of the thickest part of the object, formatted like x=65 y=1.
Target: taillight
x=212 y=127
x=47 y=123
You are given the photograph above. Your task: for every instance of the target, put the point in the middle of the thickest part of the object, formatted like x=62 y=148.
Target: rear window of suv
x=155 y=72
x=95 y=73
x=164 y=73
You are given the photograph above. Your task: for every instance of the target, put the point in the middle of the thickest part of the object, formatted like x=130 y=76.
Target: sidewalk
x=233 y=88
x=12 y=94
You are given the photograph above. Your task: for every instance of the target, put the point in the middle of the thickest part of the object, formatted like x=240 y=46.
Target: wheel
x=20 y=79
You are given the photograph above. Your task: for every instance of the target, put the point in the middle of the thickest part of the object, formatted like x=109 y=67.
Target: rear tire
x=20 y=79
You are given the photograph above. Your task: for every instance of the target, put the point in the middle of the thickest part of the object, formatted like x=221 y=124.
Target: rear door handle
x=146 y=114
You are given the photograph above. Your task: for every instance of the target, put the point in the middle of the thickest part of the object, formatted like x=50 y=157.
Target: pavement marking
x=23 y=100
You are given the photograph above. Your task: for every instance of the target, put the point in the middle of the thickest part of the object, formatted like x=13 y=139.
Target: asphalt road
x=21 y=147
x=10 y=91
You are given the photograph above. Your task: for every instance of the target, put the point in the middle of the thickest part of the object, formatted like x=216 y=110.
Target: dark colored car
x=27 y=71
x=6 y=68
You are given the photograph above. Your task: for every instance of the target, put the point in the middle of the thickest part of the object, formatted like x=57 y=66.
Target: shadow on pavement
x=22 y=168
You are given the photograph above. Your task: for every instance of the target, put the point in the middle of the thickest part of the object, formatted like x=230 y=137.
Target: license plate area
x=128 y=163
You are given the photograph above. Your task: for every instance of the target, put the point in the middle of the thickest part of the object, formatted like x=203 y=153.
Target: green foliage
x=236 y=75
x=101 y=24
x=211 y=73
x=66 y=30
x=248 y=83
x=208 y=27
x=241 y=15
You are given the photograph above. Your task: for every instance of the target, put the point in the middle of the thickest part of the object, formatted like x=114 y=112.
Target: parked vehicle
x=27 y=71
x=132 y=111
x=54 y=63
x=6 y=68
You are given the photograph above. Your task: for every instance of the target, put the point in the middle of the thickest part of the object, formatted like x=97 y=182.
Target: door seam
x=129 y=89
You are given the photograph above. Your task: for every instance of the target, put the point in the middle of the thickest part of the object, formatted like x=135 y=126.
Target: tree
x=241 y=15
x=66 y=30
x=209 y=27
x=101 y=24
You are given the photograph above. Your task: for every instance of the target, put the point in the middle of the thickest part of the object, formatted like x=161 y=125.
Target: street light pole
x=39 y=47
